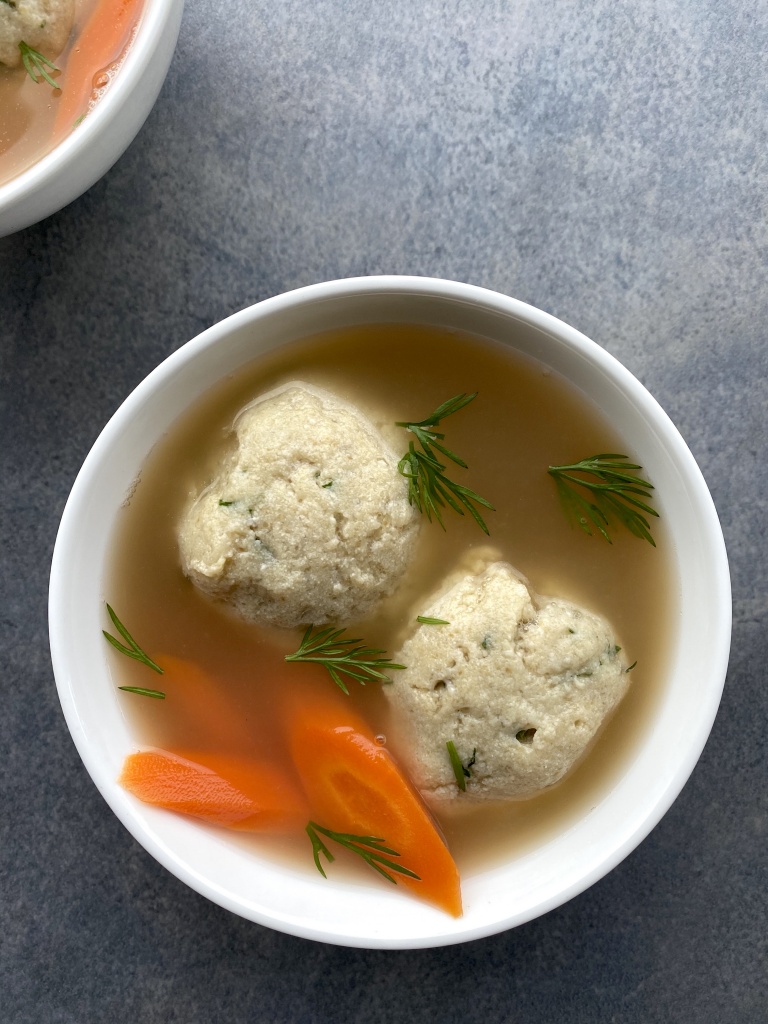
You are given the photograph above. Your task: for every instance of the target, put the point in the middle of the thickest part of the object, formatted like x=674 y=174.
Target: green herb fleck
x=225 y=504
x=428 y=487
x=631 y=666
x=426 y=621
x=342 y=658
x=370 y=848
x=157 y=694
x=614 y=490
x=462 y=772
x=36 y=64
x=133 y=650
x=329 y=484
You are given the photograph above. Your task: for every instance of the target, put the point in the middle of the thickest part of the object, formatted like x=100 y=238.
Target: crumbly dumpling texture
x=44 y=25
x=522 y=680
x=309 y=521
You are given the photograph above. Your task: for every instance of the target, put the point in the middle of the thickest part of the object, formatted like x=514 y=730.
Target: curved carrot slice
x=354 y=785
x=98 y=42
x=234 y=792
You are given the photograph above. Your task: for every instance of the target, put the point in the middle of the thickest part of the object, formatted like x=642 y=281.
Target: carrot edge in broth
x=100 y=42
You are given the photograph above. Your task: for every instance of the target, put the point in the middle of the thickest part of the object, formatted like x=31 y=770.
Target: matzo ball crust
x=308 y=521
x=522 y=681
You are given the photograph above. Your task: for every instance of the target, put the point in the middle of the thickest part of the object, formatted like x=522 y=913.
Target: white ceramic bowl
x=334 y=910
x=89 y=151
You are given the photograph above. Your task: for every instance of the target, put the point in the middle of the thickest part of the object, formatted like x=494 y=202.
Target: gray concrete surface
x=605 y=161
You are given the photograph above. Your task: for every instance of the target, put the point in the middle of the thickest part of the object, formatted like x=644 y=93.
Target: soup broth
x=525 y=418
x=34 y=117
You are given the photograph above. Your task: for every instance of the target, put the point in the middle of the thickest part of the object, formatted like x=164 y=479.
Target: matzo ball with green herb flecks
x=44 y=25
x=308 y=521
x=519 y=684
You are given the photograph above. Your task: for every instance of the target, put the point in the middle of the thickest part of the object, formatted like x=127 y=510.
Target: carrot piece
x=354 y=785
x=237 y=793
x=100 y=41
x=203 y=705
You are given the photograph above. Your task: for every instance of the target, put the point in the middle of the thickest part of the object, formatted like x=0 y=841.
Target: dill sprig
x=429 y=488
x=143 y=692
x=615 y=492
x=370 y=848
x=461 y=771
x=35 y=64
x=343 y=658
x=132 y=650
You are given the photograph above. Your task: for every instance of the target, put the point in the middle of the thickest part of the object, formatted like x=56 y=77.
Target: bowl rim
x=717 y=566
x=151 y=29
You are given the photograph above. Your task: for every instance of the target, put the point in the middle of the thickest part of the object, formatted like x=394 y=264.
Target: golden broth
x=525 y=418
x=29 y=109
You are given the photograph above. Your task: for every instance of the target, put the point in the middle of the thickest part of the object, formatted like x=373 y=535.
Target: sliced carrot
x=203 y=705
x=355 y=786
x=237 y=793
x=100 y=41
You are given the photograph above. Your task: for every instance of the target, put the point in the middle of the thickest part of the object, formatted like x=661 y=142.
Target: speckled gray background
x=603 y=160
